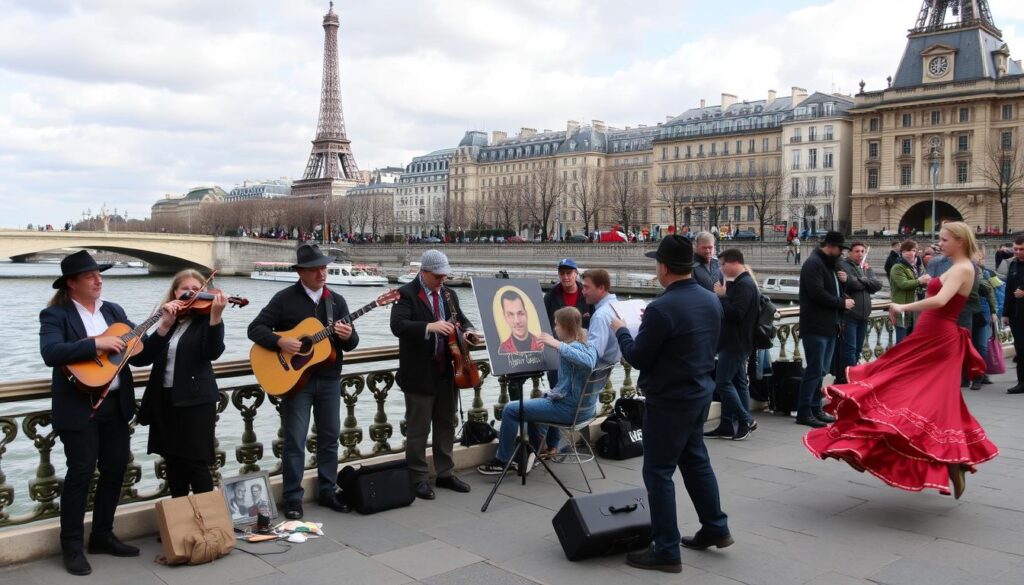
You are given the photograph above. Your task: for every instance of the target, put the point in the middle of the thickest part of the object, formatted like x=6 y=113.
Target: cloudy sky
x=123 y=101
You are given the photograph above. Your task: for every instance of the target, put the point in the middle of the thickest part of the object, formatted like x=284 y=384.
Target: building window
x=688 y=151
x=826 y=160
x=750 y=213
x=795 y=189
x=872 y=179
x=936 y=117
x=664 y=152
x=1006 y=139
x=739 y=147
x=677 y=152
x=736 y=213
x=873 y=150
x=812 y=158
x=965 y=115
x=796 y=160
x=797 y=137
x=961 y=143
x=812 y=186
x=828 y=132
x=750 y=147
x=827 y=185
x=764 y=145
x=908 y=120
x=906 y=147
x=962 y=172
x=812 y=133
x=873 y=125
x=1007 y=111
x=906 y=171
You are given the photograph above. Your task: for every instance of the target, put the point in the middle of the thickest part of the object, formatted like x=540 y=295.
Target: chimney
x=628 y=128
x=525 y=133
x=701 y=102
x=497 y=136
x=727 y=100
x=598 y=125
x=571 y=126
x=771 y=96
x=669 y=118
x=799 y=95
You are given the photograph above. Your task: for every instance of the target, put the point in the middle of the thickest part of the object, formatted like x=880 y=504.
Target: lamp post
x=935 y=179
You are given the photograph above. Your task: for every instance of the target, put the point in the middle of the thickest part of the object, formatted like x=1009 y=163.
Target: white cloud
x=124 y=100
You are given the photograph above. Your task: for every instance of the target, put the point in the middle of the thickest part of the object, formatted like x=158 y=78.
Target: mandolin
x=279 y=373
x=466 y=373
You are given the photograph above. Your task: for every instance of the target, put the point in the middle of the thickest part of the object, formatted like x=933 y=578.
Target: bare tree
x=1003 y=169
x=507 y=205
x=674 y=196
x=359 y=210
x=763 y=188
x=625 y=196
x=588 y=196
x=540 y=194
x=712 y=189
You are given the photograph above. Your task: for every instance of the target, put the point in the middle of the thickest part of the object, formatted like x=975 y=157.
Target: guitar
x=466 y=374
x=278 y=372
x=94 y=376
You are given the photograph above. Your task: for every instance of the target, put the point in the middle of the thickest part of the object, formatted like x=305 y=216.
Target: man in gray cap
x=422 y=319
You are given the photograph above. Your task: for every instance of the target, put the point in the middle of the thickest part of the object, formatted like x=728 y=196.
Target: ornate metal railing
x=240 y=406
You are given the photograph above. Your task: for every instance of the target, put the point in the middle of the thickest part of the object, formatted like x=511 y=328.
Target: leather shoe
x=423 y=491
x=453 y=483
x=109 y=544
x=293 y=510
x=823 y=416
x=720 y=432
x=700 y=542
x=76 y=563
x=1018 y=389
x=646 y=559
x=334 y=502
x=810 y=421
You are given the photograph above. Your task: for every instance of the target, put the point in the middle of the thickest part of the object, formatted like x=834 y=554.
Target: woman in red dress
x=902 y=417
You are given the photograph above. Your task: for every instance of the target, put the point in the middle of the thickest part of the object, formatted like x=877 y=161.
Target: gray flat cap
x=436 y=262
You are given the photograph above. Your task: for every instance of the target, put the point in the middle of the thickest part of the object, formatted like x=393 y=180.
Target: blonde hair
x=572 y=323
x=750 y=271
x=959 y=230
x=181 y=277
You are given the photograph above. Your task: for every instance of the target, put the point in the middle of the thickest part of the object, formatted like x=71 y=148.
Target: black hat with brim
x=77 y=263
x=310 y=256
x=835 y=239
x=674 y=251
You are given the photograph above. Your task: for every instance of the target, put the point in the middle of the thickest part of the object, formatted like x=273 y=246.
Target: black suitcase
x=785 y=386
x=375 y=488
x=598 y=524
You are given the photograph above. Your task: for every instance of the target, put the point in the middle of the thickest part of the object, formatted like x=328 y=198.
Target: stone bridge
x=164 y=253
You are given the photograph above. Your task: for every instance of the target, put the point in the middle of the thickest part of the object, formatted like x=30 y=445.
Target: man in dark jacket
x=860 y=285
x=567 y=293
x=675 y=353
x=309 y=298
x=706 y=271
x=739 y=298
x=893 y=257
x=420 y=321
x=1013 y=309
x=821 y=307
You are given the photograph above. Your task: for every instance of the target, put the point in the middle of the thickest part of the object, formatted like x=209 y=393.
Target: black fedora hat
x=835 y=239
x=674 y=251
x=310 y=256
x=77 y=263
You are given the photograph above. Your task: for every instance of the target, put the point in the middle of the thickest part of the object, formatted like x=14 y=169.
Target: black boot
x=823 y=416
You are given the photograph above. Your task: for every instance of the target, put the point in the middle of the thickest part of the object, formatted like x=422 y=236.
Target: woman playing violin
x=180 y=403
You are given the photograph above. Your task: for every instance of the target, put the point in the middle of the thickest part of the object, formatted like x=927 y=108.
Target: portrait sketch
x=513 y=325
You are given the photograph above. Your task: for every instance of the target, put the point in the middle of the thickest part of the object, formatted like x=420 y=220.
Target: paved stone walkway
x=795 y=520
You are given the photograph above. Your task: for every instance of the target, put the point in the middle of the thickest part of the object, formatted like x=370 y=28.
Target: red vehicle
x=614 y=236
x=515 y=240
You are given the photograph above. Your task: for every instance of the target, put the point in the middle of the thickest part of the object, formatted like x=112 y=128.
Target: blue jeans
x=675 y=438
x=732 y=386
x=902 y=333
x=537 y=409
x=818 y=350
x=854 y=332
x=324 y=396
x=979 y=337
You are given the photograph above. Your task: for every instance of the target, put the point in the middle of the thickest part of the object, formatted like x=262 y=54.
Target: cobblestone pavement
x=795 y=520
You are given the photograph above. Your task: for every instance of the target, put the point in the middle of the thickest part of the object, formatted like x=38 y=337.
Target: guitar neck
x=327 y=331
x=144 y=326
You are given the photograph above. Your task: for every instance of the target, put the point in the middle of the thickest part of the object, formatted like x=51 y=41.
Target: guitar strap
x=328 y=306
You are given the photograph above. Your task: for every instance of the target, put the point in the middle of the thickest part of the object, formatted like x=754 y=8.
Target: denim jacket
x=576 y=361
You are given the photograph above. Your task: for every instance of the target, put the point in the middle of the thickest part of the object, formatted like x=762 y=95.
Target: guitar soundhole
x=115 y=358
x=299 y=361
x=307 y=345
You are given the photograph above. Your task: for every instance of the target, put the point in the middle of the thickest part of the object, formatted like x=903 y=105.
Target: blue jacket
x=675 y=347
x=576 y=361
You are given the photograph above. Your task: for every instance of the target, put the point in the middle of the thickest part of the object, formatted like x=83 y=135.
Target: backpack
x=764 y=327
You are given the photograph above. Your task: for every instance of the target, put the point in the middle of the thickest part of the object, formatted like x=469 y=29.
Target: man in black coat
x=71 y=331
x=739 y=298
x=1013 y=309
x=860 y=285
x=822 y=303
x=567 y=293
x=322 y=392
x=893 y=257
x=420 y=321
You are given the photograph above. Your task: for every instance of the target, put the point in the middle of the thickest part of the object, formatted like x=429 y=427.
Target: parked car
x=747 y=234
x=578 y=238
x=432 y=240
x=515 y=239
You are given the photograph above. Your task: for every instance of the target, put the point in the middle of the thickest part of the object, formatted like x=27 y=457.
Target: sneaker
x=986 y=380
x=720 y=432
x=742 y=432
x=753 y=425
x=976 y=384
x=495 y=467
x=531 y=462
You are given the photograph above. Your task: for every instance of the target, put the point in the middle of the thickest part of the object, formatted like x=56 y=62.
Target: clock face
x=937 y=66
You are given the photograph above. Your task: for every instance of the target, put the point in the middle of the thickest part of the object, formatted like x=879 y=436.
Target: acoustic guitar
x=279 y=372
x=95 y=376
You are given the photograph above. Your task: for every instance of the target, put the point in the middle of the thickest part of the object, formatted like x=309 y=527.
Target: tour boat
x=339 y=274
x=414 y=269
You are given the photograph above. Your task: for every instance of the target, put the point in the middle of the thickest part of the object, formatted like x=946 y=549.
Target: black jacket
x=706 y=272
x=1013 y=308
x=63 y=341
x=893 y=257
x=739 y=306
x=194 y=382
x=554 y=300
x=417 y=371
x=821 y=296
x=675 y=347
x=287 y=309
x=860 y=285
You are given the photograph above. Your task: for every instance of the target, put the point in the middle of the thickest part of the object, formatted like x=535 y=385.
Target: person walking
x=902 y=417
x=860 y=285
x=1013 y=309
x=674 y=351
x=822 y=304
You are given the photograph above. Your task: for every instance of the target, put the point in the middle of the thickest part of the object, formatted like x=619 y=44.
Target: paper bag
x=195 y=529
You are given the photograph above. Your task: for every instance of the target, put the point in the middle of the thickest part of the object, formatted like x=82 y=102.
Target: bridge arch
x=163 y=252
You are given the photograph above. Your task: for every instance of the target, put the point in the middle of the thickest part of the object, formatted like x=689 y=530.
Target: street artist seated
x=577 y=359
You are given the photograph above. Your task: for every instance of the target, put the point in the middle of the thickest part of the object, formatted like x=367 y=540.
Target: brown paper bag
x=194 y=529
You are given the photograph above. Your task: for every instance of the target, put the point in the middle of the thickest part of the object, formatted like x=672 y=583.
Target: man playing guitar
x=421 y=319
x=322 y=391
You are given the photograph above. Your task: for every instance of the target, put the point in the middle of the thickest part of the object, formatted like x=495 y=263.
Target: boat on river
x=338 y=274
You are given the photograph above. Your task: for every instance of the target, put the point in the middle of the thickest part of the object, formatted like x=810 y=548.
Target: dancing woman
x=902 y=417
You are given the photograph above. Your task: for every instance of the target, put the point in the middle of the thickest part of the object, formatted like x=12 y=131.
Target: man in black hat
x=822 y=303
x=675 y=353
x=309 y=297
x=71 y=331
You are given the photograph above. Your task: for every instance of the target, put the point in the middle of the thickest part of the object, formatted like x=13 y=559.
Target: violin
x=466 y=373
x=200 y=303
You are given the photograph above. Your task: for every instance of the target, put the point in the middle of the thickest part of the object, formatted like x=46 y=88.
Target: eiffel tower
x=932 y=16
x=331 y=169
